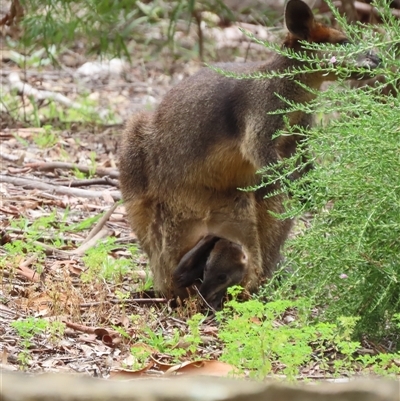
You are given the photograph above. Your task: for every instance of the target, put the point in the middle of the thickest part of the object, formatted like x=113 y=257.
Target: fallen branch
x=101 y=171
x=94 y=181
x=28 y=90
x=126 y=302
x=48 y=249
x=89 y=244
x=100 y=224
x=24 y=271
x=82 y=193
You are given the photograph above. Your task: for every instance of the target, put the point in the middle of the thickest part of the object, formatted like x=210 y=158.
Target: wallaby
x=213 y=265
x=181 y=167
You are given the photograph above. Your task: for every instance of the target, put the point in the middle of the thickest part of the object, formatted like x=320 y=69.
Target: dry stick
x=109 y=180
x=76 y=252
x=101 y=171
x=126 y=301
x=92 y=242
x=100 y=223
x=203 y=299
x=94 y=181
x=49 y=249
x=30 y=275
x=29 y=183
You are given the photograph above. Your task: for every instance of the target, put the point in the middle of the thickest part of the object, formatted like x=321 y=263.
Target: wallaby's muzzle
x=370 y=60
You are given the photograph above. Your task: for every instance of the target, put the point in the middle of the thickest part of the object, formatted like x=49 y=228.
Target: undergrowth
x=280 y=337
x=347 y=261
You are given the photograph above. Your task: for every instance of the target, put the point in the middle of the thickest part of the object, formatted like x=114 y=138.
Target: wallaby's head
x=302 y=26
x=226 y=266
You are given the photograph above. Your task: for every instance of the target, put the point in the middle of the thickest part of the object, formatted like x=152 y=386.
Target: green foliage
x=347 y=261
x=193 y=339
x=106 y=26
x=47 y=138
x=101 y=265
x=174 y=343
x=255 y=339
x=30 y=327
x=54 y=23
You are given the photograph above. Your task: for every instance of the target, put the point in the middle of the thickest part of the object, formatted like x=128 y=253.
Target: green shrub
x=348 y=260
x=280 y=337
x=105 y=27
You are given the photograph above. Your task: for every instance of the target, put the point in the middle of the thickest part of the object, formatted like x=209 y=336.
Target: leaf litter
x=59 y=204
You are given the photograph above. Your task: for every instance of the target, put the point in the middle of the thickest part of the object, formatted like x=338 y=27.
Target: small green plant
x=255 y=338
x=141 y=357
x=175 y=344
x=147 y=284
x=101 y=265
x=159 y=341
x=85 y=223
x=193 y=339
x=30 y=327
x=93 y=164
x=252 y=340
x=47 y=138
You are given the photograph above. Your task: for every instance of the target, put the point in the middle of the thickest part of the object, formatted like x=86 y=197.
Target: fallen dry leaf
x=208 y=368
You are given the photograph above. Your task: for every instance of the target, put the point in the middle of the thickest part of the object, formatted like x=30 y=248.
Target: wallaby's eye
x=221 y=278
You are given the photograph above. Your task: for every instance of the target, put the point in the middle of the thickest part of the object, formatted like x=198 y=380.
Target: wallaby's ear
x=191 y=266
x=299 y=19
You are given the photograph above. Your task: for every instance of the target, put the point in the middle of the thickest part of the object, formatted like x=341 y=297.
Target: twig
x=110 y=181
x=94 y=181
x=76 y=252
x=101 y=171
x=203 y=299
x=100 y=224
x=29 y=183
x=92 y=242
x=126 y=301
x=51 y=250
x=25 y=271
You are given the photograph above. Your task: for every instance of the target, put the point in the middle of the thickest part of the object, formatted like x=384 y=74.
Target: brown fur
x=180 y=168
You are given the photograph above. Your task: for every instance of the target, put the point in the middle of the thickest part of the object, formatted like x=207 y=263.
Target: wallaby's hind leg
x=272 y=231
x=236 y=221
x=173 y=236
